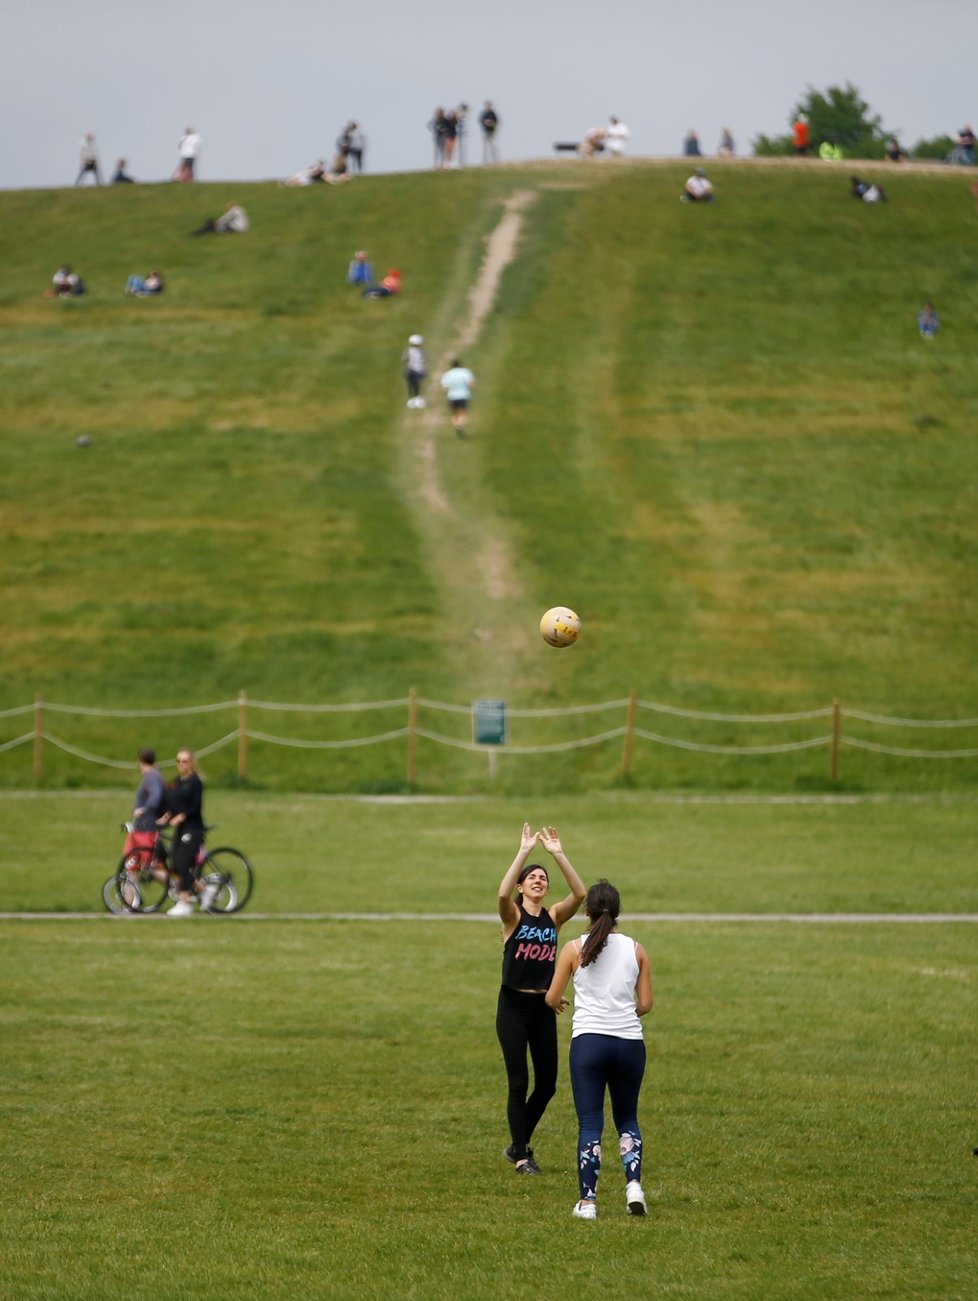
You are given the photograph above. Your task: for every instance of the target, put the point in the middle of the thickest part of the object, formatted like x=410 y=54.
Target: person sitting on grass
x=360 y=272
x=65 y=284
x=866 y=190
x=698 y=189
x=144 y=287
x=928 y=321
x=232 y=221
x=388 y=287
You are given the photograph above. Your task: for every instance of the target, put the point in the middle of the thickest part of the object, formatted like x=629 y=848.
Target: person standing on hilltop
x=89 y=160
x=616 y=136
x=489 y=121
x=189 y=153
x=800 y=138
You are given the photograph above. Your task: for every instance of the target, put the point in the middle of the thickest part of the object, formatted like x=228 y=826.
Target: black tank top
x=530 y=954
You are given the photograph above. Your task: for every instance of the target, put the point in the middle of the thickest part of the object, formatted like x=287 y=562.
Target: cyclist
x=185 y=805
x=149 y=804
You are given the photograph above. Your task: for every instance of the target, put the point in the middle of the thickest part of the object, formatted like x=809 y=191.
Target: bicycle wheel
x=230 y=871
x=113 y=897
x=137 y=886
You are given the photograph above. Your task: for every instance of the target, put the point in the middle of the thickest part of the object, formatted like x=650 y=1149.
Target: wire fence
x=832 y=736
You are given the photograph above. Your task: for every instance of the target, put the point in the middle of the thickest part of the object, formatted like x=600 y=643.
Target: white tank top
x=604 y=991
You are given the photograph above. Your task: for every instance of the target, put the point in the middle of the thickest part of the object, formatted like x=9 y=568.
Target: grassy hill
x=715 y=432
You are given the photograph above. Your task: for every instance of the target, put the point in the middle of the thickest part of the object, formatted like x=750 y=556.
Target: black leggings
x=186 y=843
x=524 y=1022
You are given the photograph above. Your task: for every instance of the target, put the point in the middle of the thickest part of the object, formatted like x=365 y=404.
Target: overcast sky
x=270 y=83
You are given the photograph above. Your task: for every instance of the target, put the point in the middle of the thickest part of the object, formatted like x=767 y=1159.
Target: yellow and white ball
x=560 y=627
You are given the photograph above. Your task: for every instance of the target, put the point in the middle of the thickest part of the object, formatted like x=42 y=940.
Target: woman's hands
x=550 y=840
x=528 y=838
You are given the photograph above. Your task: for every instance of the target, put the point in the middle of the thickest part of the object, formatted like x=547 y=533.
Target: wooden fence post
x=412 y=737
x=835 y=740
x=243 y=735
x=38 y=739
x=626 y=750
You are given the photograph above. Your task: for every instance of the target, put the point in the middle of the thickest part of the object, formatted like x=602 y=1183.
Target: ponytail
x=602 y=906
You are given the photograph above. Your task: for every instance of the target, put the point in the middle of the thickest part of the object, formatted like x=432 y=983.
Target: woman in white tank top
x=612 y=990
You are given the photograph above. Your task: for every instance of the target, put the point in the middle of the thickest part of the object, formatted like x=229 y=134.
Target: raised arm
x=563 y=911
x=508 y=911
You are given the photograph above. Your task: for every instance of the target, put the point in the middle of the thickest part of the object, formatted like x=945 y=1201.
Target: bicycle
x=142 y=882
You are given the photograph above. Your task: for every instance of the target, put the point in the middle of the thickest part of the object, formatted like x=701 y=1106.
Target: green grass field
x=312 y=1108
x=716 y=433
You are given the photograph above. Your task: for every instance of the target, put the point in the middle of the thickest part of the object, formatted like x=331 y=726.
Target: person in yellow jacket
x=829 y=150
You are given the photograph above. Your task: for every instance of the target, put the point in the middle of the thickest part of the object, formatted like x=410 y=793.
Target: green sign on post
x=489 y=722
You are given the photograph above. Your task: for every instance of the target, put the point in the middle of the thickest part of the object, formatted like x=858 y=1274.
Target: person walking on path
x=415 y=365
x=524 y=1022
x=88 y=159
x=612 y=989
x=185 y=804
x=458 y=383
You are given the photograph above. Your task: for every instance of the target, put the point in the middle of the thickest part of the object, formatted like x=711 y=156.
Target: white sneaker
x=209 y=894
x=182 y=908
x=411 y=403
x=635 y=1198
x=420 y=403
x=585 y=1211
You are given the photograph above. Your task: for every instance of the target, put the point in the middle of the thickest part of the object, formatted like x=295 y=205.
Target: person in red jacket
x=800 y=138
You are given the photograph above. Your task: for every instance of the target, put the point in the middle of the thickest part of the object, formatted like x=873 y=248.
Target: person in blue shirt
x=360 y=272
x=928 y=321
x=458 y=383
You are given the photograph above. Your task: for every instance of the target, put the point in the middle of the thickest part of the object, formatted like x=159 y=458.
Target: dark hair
x=147 y=756
x=602 y=905
x=532 y=867
x=456 y=363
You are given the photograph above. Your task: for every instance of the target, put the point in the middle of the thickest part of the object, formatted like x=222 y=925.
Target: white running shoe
x=420 y=403
x=182 y=908
x=635 y=1198
x=209 y=894
x=585 y=1211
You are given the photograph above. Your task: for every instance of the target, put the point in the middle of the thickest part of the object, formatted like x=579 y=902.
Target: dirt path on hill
x=466 y=542
x=500 y=251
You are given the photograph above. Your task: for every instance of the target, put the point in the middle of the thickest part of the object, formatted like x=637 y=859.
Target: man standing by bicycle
x=185 y=802
x=149 y=805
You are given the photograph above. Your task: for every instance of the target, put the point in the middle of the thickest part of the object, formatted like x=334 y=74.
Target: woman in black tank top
x=524 y=1022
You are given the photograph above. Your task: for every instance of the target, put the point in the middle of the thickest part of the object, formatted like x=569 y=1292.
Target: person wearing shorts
x=458 y=383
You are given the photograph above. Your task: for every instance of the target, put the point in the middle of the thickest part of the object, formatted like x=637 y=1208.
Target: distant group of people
x=361 y=273
x=448 y=128
x=609 y=139
x=188 y=151
x=66 y=283
x=179 y=806
x=458 y=382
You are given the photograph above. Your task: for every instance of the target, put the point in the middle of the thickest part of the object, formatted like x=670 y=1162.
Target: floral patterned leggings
x=597 y=1062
